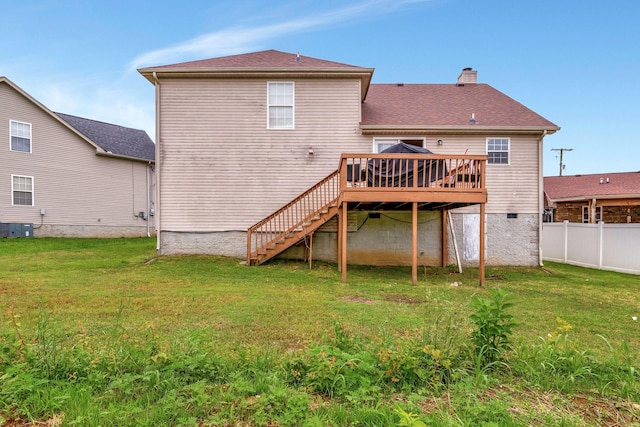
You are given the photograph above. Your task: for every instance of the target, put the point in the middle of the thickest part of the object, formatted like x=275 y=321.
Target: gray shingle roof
x=115 y=139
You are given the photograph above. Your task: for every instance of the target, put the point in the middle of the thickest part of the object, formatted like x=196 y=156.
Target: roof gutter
x=455 y=130
x=121 y=156
x=595 y=196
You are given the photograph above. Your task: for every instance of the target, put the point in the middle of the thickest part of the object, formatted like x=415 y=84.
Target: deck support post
x=343 y=241
x=445 y=237
x=339 y=240
x=310 y=249
x=249 y=247
x=481 y=262
x=414 y=243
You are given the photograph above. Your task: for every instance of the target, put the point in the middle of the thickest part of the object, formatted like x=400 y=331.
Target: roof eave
x=364 y=74
x=122 y=156
x=453 y=129
x=594 y=196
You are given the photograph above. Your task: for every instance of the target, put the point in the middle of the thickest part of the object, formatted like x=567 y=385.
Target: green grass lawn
x=77 y=308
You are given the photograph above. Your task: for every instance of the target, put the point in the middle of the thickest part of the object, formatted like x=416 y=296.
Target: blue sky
x=577 y=63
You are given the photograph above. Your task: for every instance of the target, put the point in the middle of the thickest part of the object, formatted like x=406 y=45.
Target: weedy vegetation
x=104 y=333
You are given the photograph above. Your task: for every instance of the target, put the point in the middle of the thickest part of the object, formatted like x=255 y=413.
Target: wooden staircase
x=293 y=222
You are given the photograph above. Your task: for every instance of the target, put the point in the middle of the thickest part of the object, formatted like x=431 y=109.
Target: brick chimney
x=467 y=76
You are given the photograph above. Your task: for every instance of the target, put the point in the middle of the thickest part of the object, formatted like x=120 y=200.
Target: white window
x=498 y=151
x=22 y=189
x=381 y=144
x=20 y=135
x=280 y=104
x=586 y=215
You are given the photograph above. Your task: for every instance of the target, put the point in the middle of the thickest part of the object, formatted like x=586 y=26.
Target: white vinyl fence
x=614 y=247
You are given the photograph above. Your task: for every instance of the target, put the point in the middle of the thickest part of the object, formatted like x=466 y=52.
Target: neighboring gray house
x=241 y=136
x=70 y=176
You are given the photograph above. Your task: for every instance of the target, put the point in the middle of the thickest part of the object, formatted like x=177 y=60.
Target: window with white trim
x=280 y=97
x=20 y=136
x=381 y=144
x=498 y=151
x=22 y=190
x=586 y=214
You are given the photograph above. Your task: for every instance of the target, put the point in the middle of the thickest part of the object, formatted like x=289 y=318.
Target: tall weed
x=493 y=327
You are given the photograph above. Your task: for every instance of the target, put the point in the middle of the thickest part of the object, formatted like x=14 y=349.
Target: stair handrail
x=283 y=221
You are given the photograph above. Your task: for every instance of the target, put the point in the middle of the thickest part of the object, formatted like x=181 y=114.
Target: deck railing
x=402 y=172
x=293 y=216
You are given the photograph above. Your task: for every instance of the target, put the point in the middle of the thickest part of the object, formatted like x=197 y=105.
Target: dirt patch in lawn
x=361 y=300
x=402 y=299
x=397 y=298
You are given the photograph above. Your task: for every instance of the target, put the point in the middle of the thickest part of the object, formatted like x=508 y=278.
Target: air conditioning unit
x=10 y=229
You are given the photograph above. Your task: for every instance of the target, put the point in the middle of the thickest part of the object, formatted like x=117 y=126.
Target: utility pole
x=561 y=150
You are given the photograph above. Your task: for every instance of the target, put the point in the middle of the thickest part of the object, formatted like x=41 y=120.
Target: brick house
x=608 y=197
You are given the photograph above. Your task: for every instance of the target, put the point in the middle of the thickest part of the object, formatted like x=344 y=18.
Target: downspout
x=540 y=196
x=157 y=162
x=146 y=175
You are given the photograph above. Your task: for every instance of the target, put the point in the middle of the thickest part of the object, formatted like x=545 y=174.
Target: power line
x=561 y=150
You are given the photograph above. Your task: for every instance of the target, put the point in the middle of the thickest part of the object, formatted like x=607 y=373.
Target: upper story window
x=280 y=104
x=22 y=190
x=381 y=144
x=498 y=151
x=20 y=136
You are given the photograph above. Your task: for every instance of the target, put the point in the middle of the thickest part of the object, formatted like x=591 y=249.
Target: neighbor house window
x=22 y=189
x=20 y=136
x=280 y=101
x=585 y=214
x=498 y=151
x=381 y=144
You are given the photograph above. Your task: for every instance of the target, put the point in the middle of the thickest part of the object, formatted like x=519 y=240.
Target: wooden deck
x=375 y=182
x=429 y=179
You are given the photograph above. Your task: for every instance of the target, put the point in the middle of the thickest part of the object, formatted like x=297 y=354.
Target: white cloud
x=244 y=39
x=128 y=100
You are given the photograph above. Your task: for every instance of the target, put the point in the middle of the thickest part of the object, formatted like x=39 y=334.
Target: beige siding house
x=70 y=176
x=239 y=137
